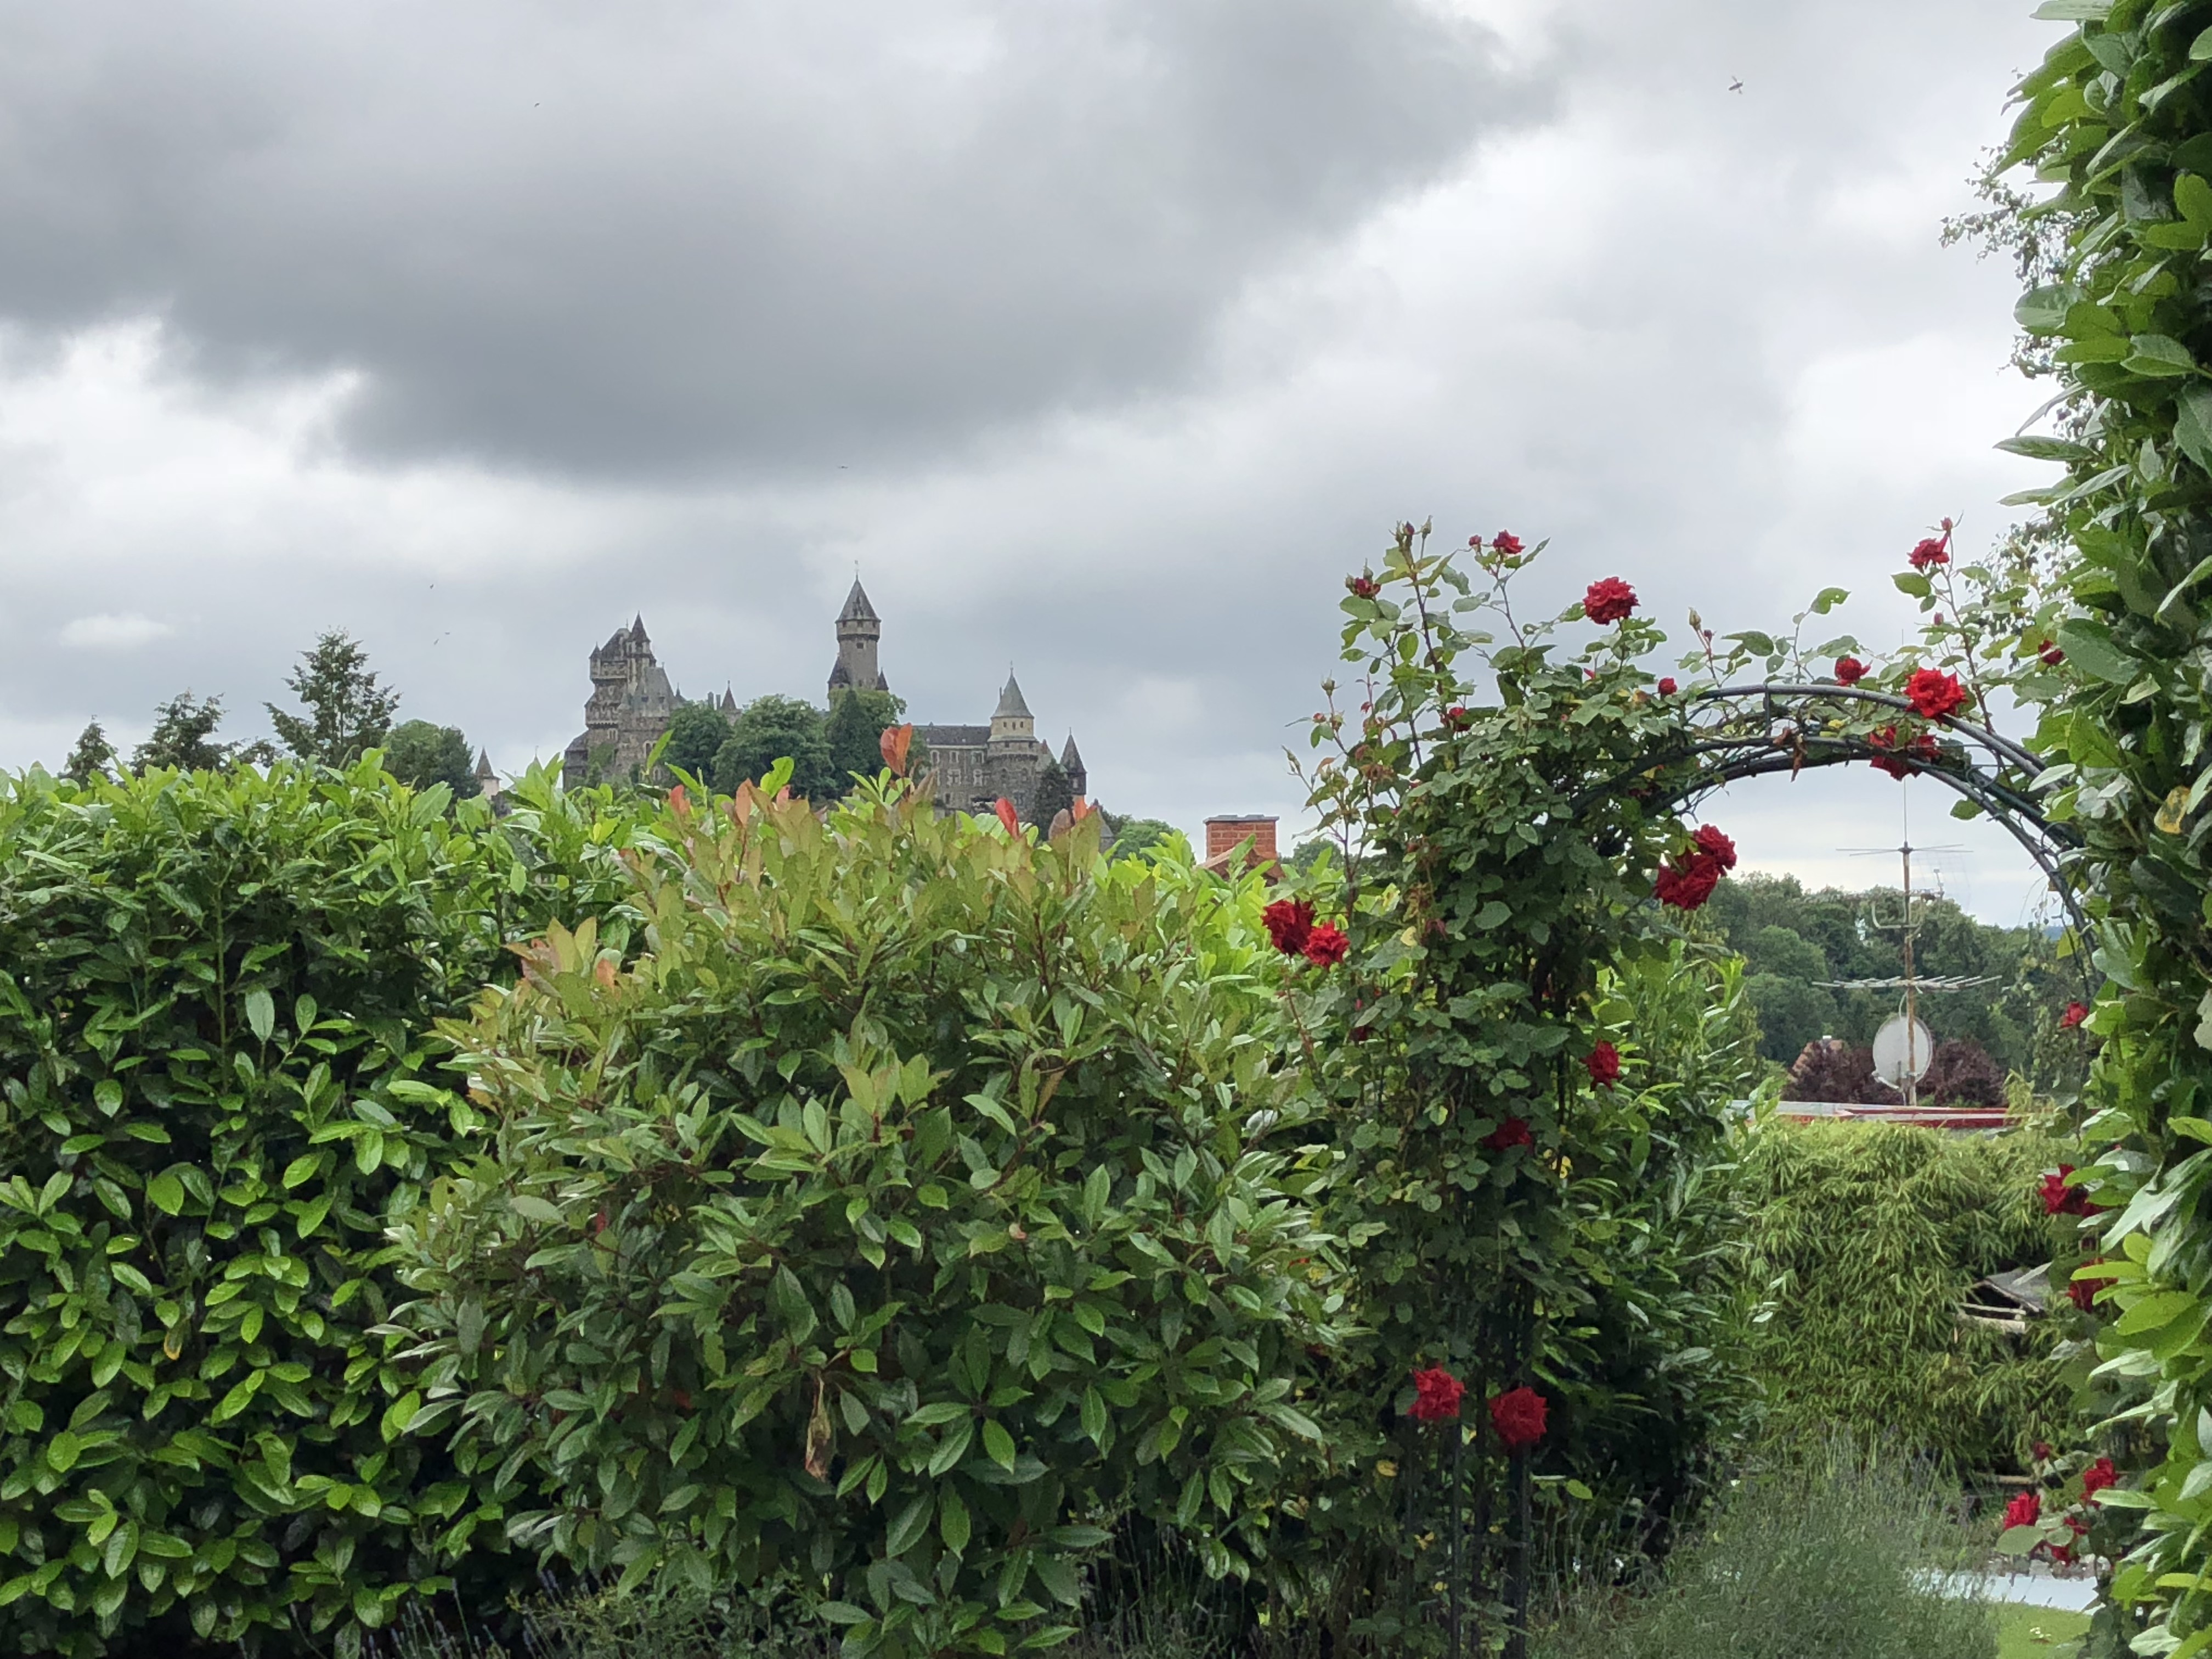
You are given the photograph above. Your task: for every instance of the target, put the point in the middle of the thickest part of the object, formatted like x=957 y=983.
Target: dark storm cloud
x=665 y=237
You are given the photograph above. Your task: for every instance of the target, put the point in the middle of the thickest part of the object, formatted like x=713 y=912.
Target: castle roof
x=1070 y=759
x=1010 y=706
x=484 y=764
x=954 y=736
x=857 y=608
x=637 y=628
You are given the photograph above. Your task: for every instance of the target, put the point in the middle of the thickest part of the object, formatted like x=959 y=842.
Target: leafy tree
x=418 y=753
x=1055 y=795
x=766 y=730
x=92 y=757
x=696 y=736
x=347 y=713
x=854 y=732
x=183 y=739
x=1134 y=838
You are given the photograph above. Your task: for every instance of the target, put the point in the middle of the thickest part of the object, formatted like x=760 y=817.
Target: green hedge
x=1864 y=1237
x=215 y=992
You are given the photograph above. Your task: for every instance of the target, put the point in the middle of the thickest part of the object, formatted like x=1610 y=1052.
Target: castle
x=971 y=767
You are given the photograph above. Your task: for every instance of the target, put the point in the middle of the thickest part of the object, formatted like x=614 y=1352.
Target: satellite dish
x=1902 y=1050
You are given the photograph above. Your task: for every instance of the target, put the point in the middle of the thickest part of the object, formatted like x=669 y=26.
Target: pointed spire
x=857 y=608
x=637 y=628
x=1071 y=759
x=484 y=764
x=1010 y=706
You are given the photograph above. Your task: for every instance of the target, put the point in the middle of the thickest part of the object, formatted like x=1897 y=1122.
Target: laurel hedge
x=215 y=994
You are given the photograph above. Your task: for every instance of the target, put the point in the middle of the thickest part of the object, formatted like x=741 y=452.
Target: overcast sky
x=1103 y=337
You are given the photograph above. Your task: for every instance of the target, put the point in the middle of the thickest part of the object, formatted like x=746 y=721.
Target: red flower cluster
x=1514 y=1132
x=1667 y=686
x=1435 y=1396
x=1518 y=1417
x=2098 y=1476
x=1931 y=550
x=1686 y=879
x=1505 y=542
x=2059 y=1198
x=1900 y=762
x=2024 y=1510
x=1327 y=946
x=2052 y=655
x=2082 y=1293
x=1456 y=716
x=1850 y=671
x=1290 y=925
x=1365 y=588
x=1935 y=694
x=1604 y=1063
x=1609 y=600
x=2075 y=1014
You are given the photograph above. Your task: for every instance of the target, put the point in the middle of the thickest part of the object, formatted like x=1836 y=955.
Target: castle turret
x=858 y=631
x=1012 y=721
x=1070 y=761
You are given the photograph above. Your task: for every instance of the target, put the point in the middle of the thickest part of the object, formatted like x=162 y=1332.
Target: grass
x=1811 y=1556
x=2040 y=1632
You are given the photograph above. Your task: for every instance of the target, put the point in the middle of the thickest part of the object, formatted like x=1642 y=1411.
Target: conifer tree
x=347 y=713
x=92 y=757
x=183 y=737
x=1055 y=795
x=854 y=732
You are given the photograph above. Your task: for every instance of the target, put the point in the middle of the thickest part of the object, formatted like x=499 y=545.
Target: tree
x=696 y=736
x=347 y=712
x=183 y=739
x=92 y=758
x=1054 y=796
x=766 y=730
x=1134 y=838
x=418 y=753
x=854 y=732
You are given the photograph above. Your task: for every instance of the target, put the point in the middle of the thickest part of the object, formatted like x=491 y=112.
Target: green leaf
x=2192 y=426
x=166 y=1193
x=2159 y=355
x=1911 y=582
x=2154 y=1311
x=260 y=1014
x=2200 y=49
x=906 y=1530
x=952 y=1522
x=2048 y=449
x=63 y=1451
x=998 y=1444
x=2043 y=310
x=2089 y=646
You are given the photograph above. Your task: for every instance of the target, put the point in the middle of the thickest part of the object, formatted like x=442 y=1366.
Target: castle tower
x=1011 y=723
x=858 y=631
x=1070 y=761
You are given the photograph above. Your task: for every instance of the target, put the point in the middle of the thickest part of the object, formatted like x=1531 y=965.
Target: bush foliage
x=1864 y=1237
x=215 y=1000
x=901 y=1216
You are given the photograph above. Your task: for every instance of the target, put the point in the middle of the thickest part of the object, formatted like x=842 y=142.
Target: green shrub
x=1866 y=1236
x=215 y=992
x=889 y=1229
x=1829 y=1556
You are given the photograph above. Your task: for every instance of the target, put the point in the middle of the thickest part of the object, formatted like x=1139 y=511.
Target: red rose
x=1290 y=924
x=1716 y=846
x=1435 y=1396
x=1935 y=694
x=2052 y=655
x=2075 y=1014
x=1505 y=542
x=1518 y=1417
x=1931 y=550
x=1514 y=1132
x=2082 y=1293
x=2025 y=1510
x=1327 y=946
x=2098 y=1476
x=1899 y=763
x=1456 y=715
x=1604 y=1063
x=1688 y=885
x=2059 y=1198
x=1850 y=671
x=1667 y=687
x=1609 y=600
x=1365 y=588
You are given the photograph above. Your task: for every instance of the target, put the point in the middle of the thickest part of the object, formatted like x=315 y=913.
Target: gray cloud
x=673 y=238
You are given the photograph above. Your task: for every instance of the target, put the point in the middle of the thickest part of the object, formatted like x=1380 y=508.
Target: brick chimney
x=1224 y=835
